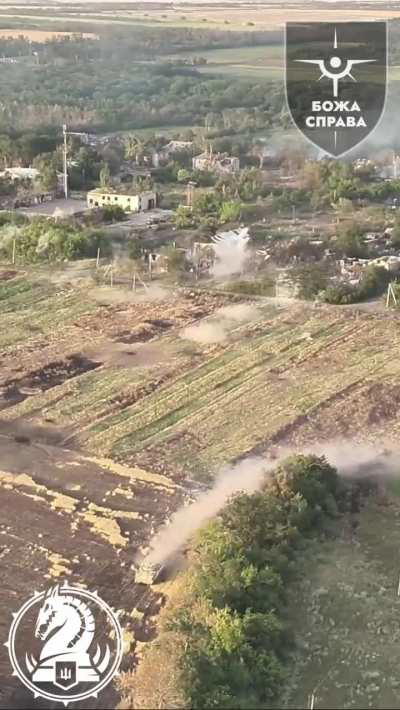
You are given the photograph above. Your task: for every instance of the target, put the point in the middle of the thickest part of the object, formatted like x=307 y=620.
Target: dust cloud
x=250 y=474
x=239 y=312
x=110 y=296
x=120 y=355
x=247 y=476
x=231 y=252
x=206 y=333
x=217 y=328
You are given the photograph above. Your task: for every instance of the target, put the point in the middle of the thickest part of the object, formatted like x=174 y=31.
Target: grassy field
x=344 y=614
x=112 y=403
x=263 y=56
x=265 y=16
x=41 y=35
x=268 y=379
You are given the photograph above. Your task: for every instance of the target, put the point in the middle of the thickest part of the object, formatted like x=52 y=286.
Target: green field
x=344 y=614
x=273 y=378
x=268 y=55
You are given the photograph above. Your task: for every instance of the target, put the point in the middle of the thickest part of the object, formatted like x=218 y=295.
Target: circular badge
x=65 y=644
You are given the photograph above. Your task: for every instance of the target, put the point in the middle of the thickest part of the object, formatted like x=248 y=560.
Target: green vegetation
x=122 y=80
x=256 y=287
x=230 y=632
x=350 y=242
x=344 y=614
x=46 y=240
x=372 y=284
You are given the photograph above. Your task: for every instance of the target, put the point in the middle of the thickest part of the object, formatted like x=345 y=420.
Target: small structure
x=131 y=171
x=129 y=201
x=175 y=147
x=390 y=263
x=352 y=269
x=20 y=173
x=220 y=163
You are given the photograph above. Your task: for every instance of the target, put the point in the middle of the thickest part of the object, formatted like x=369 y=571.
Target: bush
x=339 y=294
x=310 y=280
x=259 y=287
x=47 y=240
x=113 y=213
x=227 y=631
x=12 y=218
x=373 y=283
x=350 y=242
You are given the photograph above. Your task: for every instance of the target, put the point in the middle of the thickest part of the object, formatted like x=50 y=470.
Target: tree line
x=224 y=638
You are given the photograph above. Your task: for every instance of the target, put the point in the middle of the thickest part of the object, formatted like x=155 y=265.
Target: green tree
x=310 y=279
x=350 y=242
x=48 y=174
x=134 y=148
x=230 y=211
x=105 y=175
x=183 y=175
x=395 y=236
x=7 y=151
x=184 y=218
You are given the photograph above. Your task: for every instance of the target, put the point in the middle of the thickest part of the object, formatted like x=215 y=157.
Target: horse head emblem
x=51 y=614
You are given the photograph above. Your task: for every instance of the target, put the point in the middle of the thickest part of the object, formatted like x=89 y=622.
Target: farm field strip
x=240 y=372
x=184 y=405
x=199 y=405
x=41 y=308
x=258 y=413
x=263 y=17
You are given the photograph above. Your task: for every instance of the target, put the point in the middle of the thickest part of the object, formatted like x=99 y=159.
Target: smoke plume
x=216 y=329
x=248 y=476
x=231 y=253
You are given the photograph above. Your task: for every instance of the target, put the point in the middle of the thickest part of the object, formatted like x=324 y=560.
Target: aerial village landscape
x=199 y=371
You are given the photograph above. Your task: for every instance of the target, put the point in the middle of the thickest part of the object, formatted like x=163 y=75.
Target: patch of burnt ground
x=55 y=373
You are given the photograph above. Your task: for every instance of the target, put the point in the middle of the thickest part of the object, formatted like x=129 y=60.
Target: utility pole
x=67 y=133
x=391 y=295
x=65 y=164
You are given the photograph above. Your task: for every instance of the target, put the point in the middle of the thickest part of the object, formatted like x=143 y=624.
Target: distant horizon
x=195 y=2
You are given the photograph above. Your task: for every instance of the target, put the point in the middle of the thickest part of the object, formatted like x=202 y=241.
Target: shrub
x=227 y=633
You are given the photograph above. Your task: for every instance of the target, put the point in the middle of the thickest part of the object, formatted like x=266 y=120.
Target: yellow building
x=132 y=202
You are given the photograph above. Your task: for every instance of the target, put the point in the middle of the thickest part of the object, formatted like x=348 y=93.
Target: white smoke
x=218 y=327
x=249 y=475
x=230 y=250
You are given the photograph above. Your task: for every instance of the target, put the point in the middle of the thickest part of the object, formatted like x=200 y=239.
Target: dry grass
x=267 y=16
x=42 y=36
